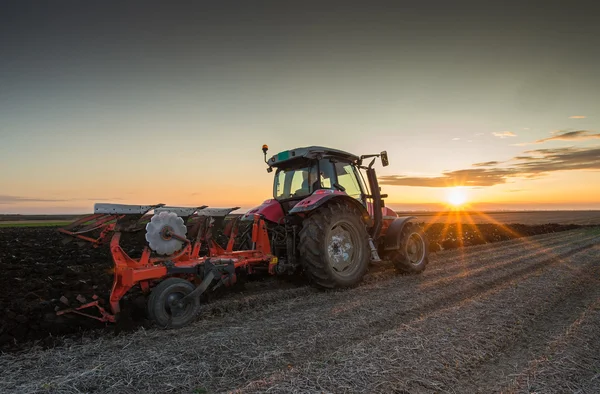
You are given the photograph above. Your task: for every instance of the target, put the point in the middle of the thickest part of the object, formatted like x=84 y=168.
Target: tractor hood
x=270 y=209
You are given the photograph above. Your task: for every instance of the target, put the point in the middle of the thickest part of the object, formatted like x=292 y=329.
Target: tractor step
x=374 y=255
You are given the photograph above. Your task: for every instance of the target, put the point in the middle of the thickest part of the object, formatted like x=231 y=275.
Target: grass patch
x=593 y=230
x=34 y=224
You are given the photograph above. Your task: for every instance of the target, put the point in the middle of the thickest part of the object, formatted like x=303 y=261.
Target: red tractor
x=324 y=220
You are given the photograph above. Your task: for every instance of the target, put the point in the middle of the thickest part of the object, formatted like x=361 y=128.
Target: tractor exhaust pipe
x=376 y=196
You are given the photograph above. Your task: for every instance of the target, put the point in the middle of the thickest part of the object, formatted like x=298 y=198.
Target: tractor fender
x=323 y=196
x=392 y=235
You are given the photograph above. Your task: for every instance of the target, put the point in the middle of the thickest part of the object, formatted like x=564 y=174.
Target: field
x=518 y=310
x=504 y=217
x=522 y=217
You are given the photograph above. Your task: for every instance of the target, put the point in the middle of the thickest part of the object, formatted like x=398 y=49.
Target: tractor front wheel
x=334 y=246
x=413 y=255
x=163 y=304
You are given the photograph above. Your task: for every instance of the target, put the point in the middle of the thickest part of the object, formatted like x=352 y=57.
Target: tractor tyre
x=334 y=246
x=413 y=255
x=162 y=308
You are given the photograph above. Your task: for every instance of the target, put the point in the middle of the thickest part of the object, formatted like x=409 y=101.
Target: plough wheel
x=162 y=304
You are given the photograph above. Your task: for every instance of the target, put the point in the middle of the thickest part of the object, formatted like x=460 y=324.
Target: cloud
x=535 y=164
x=577 y=117
x=578 y=135
x=469 y=177
x=4 y=199
x=486 y=164
x=563 y=135
x=504 y=134
x=455 y=139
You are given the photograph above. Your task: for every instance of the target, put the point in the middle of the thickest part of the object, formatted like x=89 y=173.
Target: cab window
x=326 y=174
x=297 y=182
x=346 y=177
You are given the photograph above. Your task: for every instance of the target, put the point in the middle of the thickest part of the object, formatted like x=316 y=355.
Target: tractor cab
x=303 y=171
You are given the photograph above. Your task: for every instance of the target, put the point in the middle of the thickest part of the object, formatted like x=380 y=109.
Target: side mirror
x=384 y=159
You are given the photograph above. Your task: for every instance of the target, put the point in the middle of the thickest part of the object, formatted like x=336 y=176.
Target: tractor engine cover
x=159 y=230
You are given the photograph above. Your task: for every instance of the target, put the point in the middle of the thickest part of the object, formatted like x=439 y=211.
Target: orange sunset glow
x=87 y=116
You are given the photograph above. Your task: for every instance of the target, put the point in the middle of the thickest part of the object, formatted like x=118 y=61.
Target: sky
x=136 y=103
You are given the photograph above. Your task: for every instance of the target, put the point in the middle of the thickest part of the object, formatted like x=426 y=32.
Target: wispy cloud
x=504 y=134
x=533 y=164
x=5 y=199
x=455 y=139
x=98 y=199
x=486 y=164
x=563 y=135
x=578 y=135
x=577 y=117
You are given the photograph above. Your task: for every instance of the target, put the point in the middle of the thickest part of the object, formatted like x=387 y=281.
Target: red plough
x=180 y=248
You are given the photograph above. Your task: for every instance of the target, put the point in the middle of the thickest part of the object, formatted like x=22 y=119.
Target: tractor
x=326 y=220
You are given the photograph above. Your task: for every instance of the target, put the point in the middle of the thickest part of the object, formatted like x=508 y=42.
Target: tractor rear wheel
x=334 y=246
x=413 y=255
x=163 y=308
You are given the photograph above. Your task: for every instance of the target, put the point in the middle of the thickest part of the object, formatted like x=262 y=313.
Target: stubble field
x=512 y=315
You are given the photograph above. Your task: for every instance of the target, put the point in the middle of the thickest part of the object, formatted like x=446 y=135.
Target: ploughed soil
x=519 y=316
x=41 y=274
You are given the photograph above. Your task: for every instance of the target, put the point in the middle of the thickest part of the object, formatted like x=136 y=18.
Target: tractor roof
x=310 y=153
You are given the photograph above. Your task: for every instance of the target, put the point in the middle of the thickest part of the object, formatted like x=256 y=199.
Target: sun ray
x=435 y=219
x=511 y=232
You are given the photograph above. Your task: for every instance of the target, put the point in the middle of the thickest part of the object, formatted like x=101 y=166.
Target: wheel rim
x=342 y=253
x=172 y=306
x=415 y=249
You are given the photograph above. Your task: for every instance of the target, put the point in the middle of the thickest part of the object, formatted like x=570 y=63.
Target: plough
x=175 y=237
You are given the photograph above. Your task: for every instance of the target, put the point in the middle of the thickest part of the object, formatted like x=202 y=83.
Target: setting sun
x=456 y=196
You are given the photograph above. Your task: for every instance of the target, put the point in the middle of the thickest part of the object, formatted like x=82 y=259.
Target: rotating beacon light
x=265 y=148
